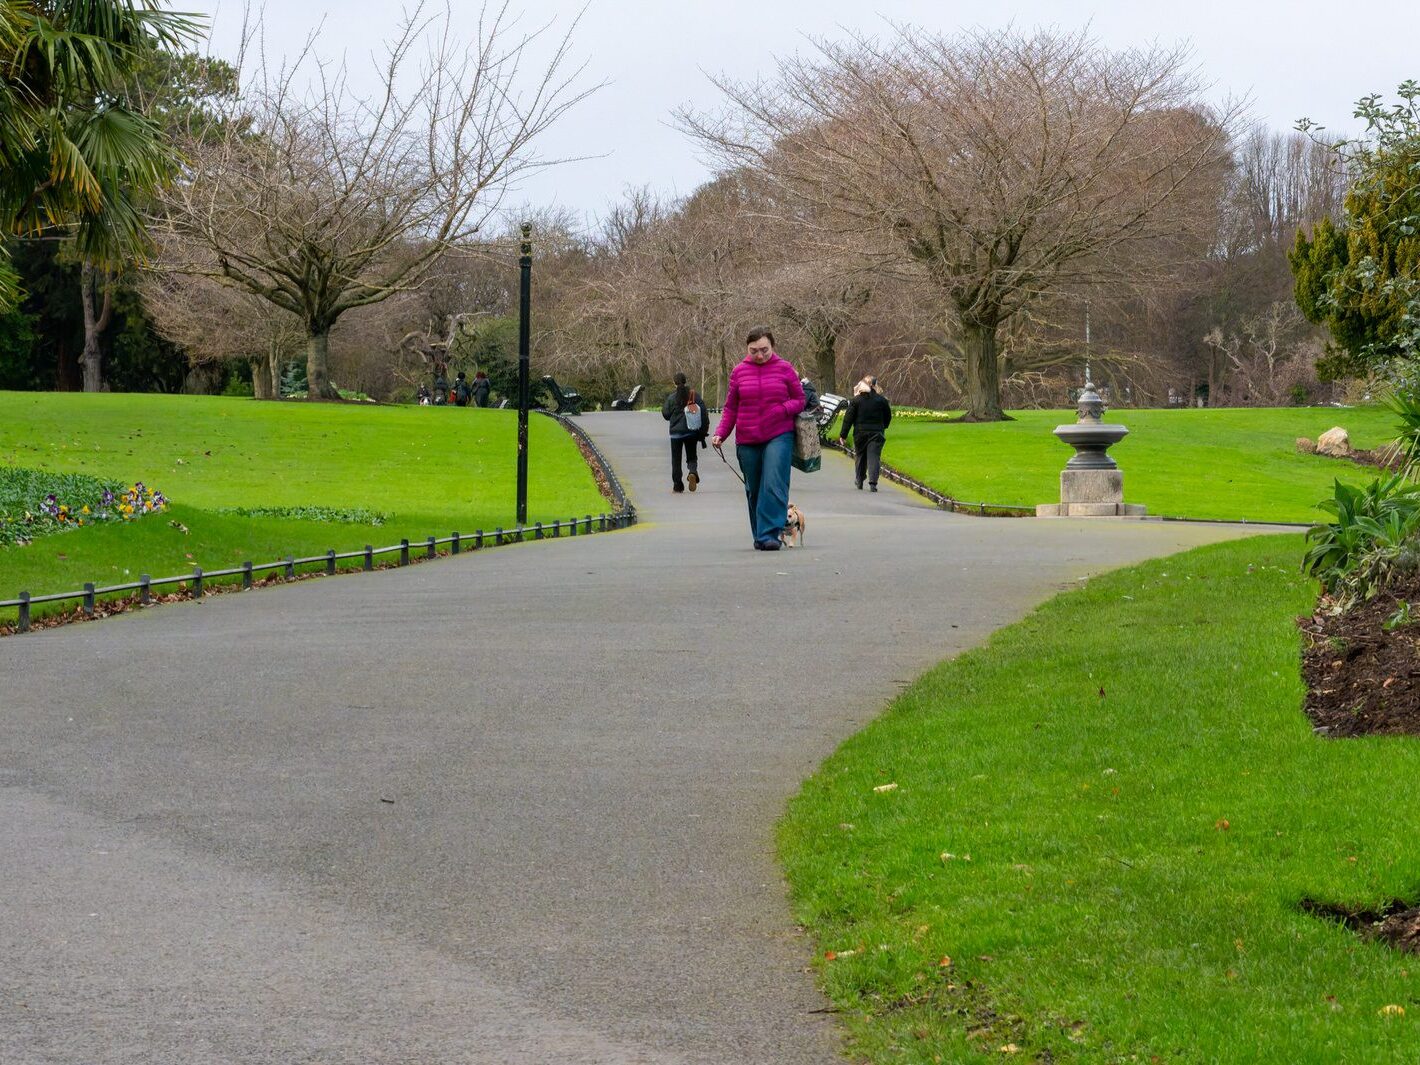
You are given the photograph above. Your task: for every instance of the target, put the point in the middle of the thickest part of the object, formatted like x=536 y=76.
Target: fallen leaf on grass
x=1010 y=1048
x=885 y=787
x=1392 y=1010
x=1222 y=824
x=945 y=963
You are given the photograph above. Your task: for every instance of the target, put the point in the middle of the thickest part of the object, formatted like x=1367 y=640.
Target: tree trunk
x=318 y=367
x=724 y=372
x=273 y=370
x=826 y=360
x=260 y=378
x=95 y=322
x=983 y=374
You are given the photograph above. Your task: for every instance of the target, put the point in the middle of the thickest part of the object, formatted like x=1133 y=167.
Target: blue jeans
x=766 y=470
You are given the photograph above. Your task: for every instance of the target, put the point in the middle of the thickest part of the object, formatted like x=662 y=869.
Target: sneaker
x=677 y=488
x=769 y=545
x=858 y=485
x=872 y=488
x=693 y=480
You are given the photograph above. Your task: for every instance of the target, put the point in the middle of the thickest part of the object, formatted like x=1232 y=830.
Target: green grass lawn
x=430 y=471
x=1216 y=464
x=1144 y=806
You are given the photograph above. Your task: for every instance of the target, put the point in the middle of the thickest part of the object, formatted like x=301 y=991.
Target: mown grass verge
x=421 y=471
x=1227 y=465
x=1145 y=808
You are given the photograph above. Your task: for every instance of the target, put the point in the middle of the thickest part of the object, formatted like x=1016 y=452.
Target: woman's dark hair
x=682 y=393
x=759 y=333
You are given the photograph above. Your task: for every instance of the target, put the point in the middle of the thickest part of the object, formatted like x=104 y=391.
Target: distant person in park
x=481 y=388
x=760 y=405
x=867 y=419
x=462 y=392
x=689 y=425
x=423 y=394
x=441 y=390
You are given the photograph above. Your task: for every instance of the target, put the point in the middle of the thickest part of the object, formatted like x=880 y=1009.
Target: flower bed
x=36 y=503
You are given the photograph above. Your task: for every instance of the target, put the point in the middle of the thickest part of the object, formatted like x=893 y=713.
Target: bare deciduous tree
x=216 y=323
x=1001 y=167
x=321 y=201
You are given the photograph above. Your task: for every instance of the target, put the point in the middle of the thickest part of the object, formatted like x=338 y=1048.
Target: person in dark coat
x=441 y=390
x=684 y=437
x=867 y=419
x=462 y=392
x=481 y=388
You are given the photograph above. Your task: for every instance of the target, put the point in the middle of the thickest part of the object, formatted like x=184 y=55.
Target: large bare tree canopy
x=1000 y=167
x=319 y=200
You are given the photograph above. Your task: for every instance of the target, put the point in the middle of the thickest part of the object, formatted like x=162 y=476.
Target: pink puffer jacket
x=762 y=401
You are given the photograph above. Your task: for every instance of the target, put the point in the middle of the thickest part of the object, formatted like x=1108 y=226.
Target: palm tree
x=74 y=157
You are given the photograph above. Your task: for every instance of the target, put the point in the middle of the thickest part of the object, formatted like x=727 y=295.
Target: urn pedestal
x=1091 y=484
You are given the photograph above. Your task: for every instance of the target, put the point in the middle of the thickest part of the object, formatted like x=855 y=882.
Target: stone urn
x=1092 y=484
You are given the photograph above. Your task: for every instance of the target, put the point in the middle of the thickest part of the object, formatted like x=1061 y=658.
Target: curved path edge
x=517 y=806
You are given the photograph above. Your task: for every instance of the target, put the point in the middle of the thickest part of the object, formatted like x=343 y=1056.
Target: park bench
x=629 y=401
x=829 y=407
x=568 y=401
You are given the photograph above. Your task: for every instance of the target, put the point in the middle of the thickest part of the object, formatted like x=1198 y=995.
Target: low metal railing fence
x=622 y=517
x=198 y=578
x=946 y=502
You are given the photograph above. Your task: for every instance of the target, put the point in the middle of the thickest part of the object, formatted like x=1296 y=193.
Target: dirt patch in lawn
x=1381 y=458
x=1397 y=925
x=1362 y=679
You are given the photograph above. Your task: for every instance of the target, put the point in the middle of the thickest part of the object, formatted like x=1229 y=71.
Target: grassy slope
x=1106 y=911
x=432 y=470
x=1222 y=464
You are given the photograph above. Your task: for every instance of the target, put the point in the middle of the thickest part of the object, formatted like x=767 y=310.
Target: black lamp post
x=524 y=334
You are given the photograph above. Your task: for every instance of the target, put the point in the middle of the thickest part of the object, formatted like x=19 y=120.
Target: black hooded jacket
x=868 y=413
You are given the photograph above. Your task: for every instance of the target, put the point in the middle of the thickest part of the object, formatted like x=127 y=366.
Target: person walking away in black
x=688 y=426
x=462 y=392
x=481 y=388
x=441 y=390
x=868 y=418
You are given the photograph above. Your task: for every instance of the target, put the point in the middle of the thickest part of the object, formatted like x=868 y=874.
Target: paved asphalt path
x=512 y=807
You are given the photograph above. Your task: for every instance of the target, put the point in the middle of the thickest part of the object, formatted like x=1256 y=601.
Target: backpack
x=694 y=415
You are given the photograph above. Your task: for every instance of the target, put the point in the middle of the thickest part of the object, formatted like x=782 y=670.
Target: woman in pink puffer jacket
x=760 y=405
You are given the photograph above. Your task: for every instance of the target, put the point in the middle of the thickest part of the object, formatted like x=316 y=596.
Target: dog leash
x=721 y=452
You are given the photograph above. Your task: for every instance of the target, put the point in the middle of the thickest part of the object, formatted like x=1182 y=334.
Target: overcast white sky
x=1292 y=59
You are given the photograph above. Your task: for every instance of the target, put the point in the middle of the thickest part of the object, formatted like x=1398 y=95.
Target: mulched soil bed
x=1362 y=680
x=1398 y=925
x=1383 y=458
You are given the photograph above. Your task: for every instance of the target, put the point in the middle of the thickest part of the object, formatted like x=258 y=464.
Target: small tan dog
x=793 y=534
